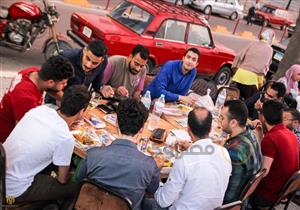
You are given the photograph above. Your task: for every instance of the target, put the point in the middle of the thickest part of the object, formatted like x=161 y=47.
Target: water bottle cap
x=162 y=95
x=148 y=91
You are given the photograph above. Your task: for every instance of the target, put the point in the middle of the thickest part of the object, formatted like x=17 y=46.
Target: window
x=172 y=30
x=132 y=16
x=232 y=2
x=199 y=35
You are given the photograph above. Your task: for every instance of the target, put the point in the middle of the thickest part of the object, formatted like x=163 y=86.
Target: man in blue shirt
x=89 y=64
x=121 y=166
x=175 y=78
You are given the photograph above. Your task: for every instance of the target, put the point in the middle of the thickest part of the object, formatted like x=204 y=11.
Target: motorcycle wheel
x=51 y=48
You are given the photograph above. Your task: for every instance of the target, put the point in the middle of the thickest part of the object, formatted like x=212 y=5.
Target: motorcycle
x=22 y=22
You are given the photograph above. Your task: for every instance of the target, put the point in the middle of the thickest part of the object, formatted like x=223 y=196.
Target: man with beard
x=175 y=78
x=243 y=148
x=280 y=156
x=126 y=75
x=27 y=88
x=89 y=64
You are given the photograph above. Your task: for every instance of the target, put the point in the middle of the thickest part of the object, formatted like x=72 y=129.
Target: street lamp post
x=288 y=5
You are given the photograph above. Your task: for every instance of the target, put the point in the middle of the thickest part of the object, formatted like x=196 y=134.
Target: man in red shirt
x=26 y=91
x=281 y=156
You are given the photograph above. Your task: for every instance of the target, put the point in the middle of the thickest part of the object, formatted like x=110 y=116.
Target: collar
x=277 y=127
x=203 y=141
x=124 y=142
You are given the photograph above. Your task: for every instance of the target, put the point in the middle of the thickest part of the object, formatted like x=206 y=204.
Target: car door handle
x=158 y=44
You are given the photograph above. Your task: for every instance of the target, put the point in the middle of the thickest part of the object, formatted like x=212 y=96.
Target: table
x=115 y=131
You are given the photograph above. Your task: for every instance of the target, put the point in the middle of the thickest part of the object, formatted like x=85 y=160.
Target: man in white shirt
x=199 y=178
x=43 y=137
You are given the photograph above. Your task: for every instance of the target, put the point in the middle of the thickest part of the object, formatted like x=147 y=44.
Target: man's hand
x=183 y=145
x=258 y=105
x=107 y=91
x=187 y=100
x=122 y=91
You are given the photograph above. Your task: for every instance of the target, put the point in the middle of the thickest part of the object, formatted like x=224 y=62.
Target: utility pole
x=288 y=5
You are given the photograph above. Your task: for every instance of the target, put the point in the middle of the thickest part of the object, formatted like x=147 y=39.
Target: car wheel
x=207 y=10
x=223 y=76
x=233 y=16
x=51 y=48
x=266 y=23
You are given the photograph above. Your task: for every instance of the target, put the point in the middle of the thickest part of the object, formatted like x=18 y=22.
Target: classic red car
x=167 y=30
x=269 y=14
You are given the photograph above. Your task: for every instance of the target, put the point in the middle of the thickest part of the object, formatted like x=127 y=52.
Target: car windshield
x=132 y=16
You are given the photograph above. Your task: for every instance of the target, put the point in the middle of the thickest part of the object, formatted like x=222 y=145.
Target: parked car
x=278 y=53
x=231 y=8
x=167 y=30
x=273 y=15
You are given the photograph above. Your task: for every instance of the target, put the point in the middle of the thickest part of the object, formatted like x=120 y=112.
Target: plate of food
x=86 y=138
x=184 y=108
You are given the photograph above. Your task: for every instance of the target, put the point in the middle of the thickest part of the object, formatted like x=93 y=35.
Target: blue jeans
x=149 y=203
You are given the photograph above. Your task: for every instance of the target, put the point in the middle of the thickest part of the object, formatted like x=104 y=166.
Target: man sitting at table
x=175 y=78
x=43 y=137
x=199 y=178
x=121 y=166
x=89 y=64
x=126 y=75
x=27 y=89
x=243 y=148
x=281 y=156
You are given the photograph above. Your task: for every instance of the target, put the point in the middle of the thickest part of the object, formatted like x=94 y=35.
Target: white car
x=231 y=8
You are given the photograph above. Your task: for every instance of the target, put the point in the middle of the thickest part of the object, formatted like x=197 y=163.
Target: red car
x=269 y=14
x=167 y=30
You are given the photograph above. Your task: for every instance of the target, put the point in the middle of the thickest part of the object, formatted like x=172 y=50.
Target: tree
x=292 y=53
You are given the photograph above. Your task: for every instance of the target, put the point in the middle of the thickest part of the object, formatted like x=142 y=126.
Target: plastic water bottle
x=219 y=103
x=156 y=113
x=146 y=99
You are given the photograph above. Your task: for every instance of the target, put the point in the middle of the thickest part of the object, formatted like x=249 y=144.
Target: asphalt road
x=13 y=61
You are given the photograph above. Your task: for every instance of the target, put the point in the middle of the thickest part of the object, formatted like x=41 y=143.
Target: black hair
x=272 y=112
x=97 y=47
x=200 y=127
x=294 y=112
x=194 y=50
x=75 y=98
x=131 y=115
x=56 y=68
x=238 y=111
x=143 y=51
x=279 y=88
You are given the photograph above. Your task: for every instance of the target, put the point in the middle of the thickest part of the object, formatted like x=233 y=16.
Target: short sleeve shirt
x=22 y=96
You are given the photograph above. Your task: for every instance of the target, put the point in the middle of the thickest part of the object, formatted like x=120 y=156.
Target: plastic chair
x=252 y=184
x=288 y=191
x=94 y=196
x=201 y=85
x=236 y=205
